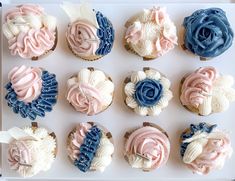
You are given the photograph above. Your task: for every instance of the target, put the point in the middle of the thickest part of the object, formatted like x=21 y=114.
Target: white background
x=118 y=118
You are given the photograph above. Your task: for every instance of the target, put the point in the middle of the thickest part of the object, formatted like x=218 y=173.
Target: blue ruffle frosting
x=105 y=34
x=203 y=127
x=208 y=32
x=42 y=104
x=148 y=92
x=88 y=149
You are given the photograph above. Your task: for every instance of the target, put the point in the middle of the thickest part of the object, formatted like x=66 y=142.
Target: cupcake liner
x=128 y=133
x=107 y=77
x=48 y=52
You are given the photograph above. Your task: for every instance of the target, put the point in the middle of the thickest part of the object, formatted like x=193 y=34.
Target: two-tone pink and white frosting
x=26 y=82
x=30 y=32
x=90 y=91
x=151 y=33
x=207 y=91
x=147 y=148
x=207 y=152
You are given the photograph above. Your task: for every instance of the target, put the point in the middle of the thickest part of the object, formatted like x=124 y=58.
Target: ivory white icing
x=137 y=161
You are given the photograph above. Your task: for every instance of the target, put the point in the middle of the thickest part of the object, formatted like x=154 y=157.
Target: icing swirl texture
x=208 y=32
x=39 y=106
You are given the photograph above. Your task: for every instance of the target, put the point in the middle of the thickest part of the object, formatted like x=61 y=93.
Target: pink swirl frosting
x=197 y=86
x=82 y=38
x=19 y=155
x=213 y=155
x=33 y=43
x=76 y=140
x=26 y=82
x=85 y=98
x=150 y=143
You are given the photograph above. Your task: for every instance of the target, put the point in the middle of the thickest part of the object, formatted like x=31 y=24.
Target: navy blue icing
x=148 y=92
x=105 y=34
x=208 y=32
x=39 y=106
x=88 y=149
x=203 y=127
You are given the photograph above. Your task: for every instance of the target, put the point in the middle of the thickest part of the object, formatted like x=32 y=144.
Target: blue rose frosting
x=88 y=149
x=208 y=32
x=203 y=127
x=148 y=92
x=39 y=106
x=105 y=34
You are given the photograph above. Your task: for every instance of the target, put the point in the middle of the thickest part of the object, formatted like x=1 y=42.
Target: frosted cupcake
x=204 y=148
x=147 y=92
x=205 y=91
x=90 y=35
x=30 y=149
x=31 y=33
x=90 y=147
x=31 y=91
x=90 y=91
x=208 y=33
x=150 y=33
x=147 y=147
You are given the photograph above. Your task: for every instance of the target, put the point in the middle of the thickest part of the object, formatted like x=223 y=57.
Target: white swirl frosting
x=103 y=156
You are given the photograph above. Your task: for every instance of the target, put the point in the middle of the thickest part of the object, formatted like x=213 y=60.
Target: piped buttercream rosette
x=90 y=91
x=205 y=91
x=147 y=148
x=204 y=148
x=90 y=147
x=31 y=91
x=30 y=149
x=90 y=35
x=147 y=92
x=30 y=32
x=151 y=33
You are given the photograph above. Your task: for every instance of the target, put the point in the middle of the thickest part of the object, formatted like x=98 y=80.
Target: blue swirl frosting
x=148 y=92
x=208 y=32
x=105 y=34
x=39 y=106
x=88 y=149
x=202 y=127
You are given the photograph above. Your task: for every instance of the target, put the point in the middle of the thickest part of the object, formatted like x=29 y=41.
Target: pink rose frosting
x=213 y=155
x=26 y=82
x=158 y=15
x=163 y=46
x=33 y=43
x=150 y=143
x=19 y=155
x=82 y=38
x=85 y=98
x=76 y=140
x=197 y=86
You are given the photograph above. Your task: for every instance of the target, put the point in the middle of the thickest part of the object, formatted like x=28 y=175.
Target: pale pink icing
x=82 y=38
x=19 y=155
x=33 y=43
x=76 y=140
x=85 y=98
x=26 y=82
x=163 y=46
x=158 y=15
x=213 y=156
x=133 y=34
x=197 y=86
x=150 y=143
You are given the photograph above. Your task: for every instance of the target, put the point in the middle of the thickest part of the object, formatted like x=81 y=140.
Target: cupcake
x=204 y=148
x=147 y=92
x=205 y=91
x=208 y=33
x=31 y=91
x=90 y=91
x=150 y=33
x=31 y=33
x=147 y=147
x=90 y=35
x=90 y=147
x=30 y=149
